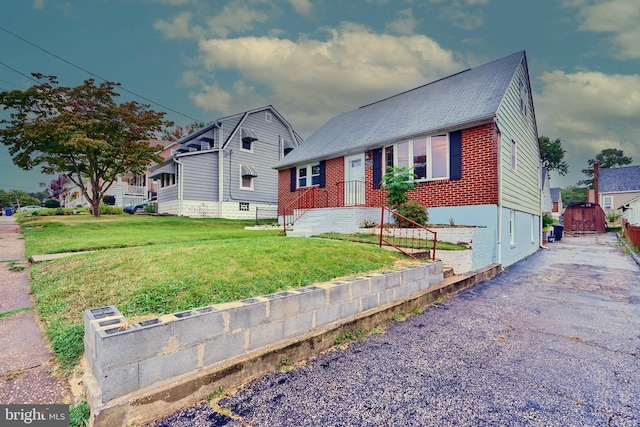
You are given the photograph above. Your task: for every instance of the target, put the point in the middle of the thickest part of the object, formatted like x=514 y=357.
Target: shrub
x=110 y=210
x=547 y=222
x=51 y=203
x=411 y=210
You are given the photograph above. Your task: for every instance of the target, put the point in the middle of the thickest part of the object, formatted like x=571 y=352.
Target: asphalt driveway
x=553 y=341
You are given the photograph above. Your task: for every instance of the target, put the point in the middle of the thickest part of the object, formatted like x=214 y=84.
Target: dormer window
x=248 y=137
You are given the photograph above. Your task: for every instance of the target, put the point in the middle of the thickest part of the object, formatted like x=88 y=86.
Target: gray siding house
x=225 y=170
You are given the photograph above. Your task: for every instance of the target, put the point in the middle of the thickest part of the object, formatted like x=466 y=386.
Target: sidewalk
x=25 y=358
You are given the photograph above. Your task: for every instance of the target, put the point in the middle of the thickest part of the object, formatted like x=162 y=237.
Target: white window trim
x=604 y=202
x=242 y=187
x=250 y=150
x=268 y=117
x=308 y=178
x=244 y=210
x=429 y=157
x=163 y=186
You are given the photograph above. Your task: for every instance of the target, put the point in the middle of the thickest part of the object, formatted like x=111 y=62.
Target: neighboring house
x=631 y=212
x=547 y=202
x=128 y=189
x=617 y=186
x=556 y=199
x=471 y=138
x=226 y=169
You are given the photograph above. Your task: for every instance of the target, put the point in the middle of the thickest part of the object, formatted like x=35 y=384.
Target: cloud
x=180 y=27
x=404 y=24
x=38 y=4
x=351 y=67
x=590 y=111
x=619 y=18
x=235 y=17
x=303 y=7
x=461 y=12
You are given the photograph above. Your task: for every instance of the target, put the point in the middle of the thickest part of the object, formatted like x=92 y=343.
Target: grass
x=375 y=240
x=55 y=234
x=79 y=414
x=222 y=263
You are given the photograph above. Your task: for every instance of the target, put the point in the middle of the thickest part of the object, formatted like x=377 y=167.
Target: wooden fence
x=633 y=233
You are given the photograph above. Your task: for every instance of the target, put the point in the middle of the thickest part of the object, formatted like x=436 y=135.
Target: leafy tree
x=552 y=155
x=572 y=194
x=40 y=195
x=607 y=158
x=80 y=132
x=177 y=132
x=11 y=197
x=58 y=185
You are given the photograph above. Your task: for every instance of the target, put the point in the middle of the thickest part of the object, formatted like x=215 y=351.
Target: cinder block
x=312 y=298
x=118 y=381
x=91 y=318
x=298 y=324
x=159 y=368
x=283 y=305
x=349 y=309
x=223 y=347
x=360 y=287
x=378 y=282
x=327 y=315
x=386 y=296
x=370 y=301
x=121 y=348
x=197 y=328
x=394 y=278
x=413 y=274
x=406 y=290
x=248 y=315
x=266 y=334
x=340 y=293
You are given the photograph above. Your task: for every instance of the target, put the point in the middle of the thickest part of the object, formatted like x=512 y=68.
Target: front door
x=354 y=180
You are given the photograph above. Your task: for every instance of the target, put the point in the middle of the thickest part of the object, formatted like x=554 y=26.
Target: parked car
x=137 y=207
x=30 y=208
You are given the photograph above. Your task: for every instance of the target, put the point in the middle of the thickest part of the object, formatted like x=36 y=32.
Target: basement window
x=243 y=206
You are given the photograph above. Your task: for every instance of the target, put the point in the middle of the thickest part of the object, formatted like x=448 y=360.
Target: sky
x=312 y=60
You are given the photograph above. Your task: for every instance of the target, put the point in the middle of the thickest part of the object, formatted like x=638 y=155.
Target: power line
x=12 y=84
x=19 y=72
x=91 y=74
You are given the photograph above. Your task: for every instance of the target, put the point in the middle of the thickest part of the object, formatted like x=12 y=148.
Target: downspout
x=180 y=181
x=499 y=139
x=220 y=168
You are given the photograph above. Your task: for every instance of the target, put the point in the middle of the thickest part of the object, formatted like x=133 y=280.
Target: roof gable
x=555 y=194
x=619 y=179
x=454 y=102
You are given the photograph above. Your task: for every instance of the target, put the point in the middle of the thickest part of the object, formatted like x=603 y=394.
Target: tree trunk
x=95 y=207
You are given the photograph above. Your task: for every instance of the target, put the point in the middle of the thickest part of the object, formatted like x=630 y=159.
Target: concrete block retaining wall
x=126 y=357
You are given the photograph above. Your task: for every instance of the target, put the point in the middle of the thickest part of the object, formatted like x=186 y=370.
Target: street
x=552 y=341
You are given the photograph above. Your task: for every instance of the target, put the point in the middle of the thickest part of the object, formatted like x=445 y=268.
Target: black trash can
x=557 y=231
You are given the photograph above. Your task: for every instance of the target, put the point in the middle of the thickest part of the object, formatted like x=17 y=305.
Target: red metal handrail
x=309 y=198
x=412 y=241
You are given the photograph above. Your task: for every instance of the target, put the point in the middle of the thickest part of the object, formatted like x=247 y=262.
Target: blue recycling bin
x=7 y=212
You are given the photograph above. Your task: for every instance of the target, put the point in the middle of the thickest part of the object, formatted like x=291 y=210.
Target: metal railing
x=266 y=213
x=309 y=198
x=412 y=239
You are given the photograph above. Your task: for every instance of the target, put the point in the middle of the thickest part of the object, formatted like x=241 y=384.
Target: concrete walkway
x=25 y=357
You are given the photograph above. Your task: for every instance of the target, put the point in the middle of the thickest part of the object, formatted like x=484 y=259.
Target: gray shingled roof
x=462 y=99
x=615 y=180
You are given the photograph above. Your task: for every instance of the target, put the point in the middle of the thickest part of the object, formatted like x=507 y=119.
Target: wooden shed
x=584 y=216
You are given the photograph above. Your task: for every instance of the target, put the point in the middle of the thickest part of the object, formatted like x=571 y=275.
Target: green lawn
x=159 y=265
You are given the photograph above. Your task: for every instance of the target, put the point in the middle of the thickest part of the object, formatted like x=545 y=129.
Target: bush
x=110 y=210
x=51 y=203
x=547 y=222
x=411 y=210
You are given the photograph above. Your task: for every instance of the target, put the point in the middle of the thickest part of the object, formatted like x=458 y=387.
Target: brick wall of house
x=478 y=186
x=479 y=183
